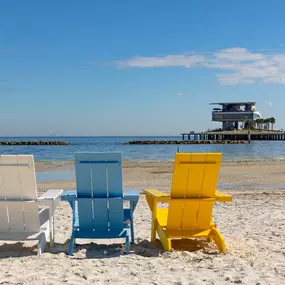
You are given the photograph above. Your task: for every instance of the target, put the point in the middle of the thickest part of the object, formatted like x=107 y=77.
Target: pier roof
x=234 y=103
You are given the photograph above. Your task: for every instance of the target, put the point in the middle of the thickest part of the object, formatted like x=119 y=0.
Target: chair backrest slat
x=18 y=182
x=17 y=177
x=101 y=215
x=85 y=215
x=16 y=217
x=194 y=182
x=99 y=175
x=195 y=175
x=83 y=175
x=114 y=174
x=204 y=217
x=189 y=214
x=31 y=217
x=98 y=166
x=189 y=218
x=116 y=217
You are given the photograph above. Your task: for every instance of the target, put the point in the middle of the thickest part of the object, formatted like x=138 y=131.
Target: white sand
x=253 y=226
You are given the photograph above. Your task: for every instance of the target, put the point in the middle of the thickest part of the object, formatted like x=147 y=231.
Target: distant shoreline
x=34 y=142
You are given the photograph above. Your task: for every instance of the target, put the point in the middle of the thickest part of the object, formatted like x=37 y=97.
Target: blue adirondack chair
x=98 y=210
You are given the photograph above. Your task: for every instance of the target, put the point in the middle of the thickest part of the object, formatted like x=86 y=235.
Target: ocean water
x=256 y=149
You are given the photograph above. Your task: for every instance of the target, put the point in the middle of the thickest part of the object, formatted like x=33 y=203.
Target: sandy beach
x=253 y=227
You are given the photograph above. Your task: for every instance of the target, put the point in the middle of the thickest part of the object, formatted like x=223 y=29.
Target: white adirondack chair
x=21 y=218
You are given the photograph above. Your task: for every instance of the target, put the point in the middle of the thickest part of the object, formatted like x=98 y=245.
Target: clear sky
x=135 y=67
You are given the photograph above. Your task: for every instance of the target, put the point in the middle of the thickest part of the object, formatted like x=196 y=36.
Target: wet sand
x=250 y=174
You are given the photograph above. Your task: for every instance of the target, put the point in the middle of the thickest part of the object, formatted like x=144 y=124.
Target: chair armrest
x=69 y=195
x=131 y=195
x=223 y=197
x=51 y=194
x=157 y=195
x=51 y=198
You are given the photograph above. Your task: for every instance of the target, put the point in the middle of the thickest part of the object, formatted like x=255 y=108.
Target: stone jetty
x=188 y=142
x=34 y=143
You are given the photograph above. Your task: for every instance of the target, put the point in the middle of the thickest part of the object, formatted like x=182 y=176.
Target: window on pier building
x=232 y=116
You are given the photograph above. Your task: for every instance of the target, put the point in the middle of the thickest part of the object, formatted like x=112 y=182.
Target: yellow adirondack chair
x=193 y=193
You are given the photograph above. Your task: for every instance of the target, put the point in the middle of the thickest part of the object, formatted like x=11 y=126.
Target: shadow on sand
x=93 y=250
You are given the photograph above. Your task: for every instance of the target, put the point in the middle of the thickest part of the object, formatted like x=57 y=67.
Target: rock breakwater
x=189 y=142
x=34 y=143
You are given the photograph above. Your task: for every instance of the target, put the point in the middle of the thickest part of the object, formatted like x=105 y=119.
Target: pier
x=235 y=136
x=187 y=142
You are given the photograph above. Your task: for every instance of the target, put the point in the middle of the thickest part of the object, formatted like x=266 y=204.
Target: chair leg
x=132 y=232
x=209 y=239
x=218 y=239
x=166 y=242
x=51 y=232
x=152 y=205
x=153 y=230
x=132 y=206
x=71 y=244
x=41 y=243
x=127 y=243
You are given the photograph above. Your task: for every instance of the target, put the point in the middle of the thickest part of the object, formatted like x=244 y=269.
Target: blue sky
x=136 y=67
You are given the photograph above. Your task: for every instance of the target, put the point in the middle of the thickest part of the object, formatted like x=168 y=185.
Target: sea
x=256 y=149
